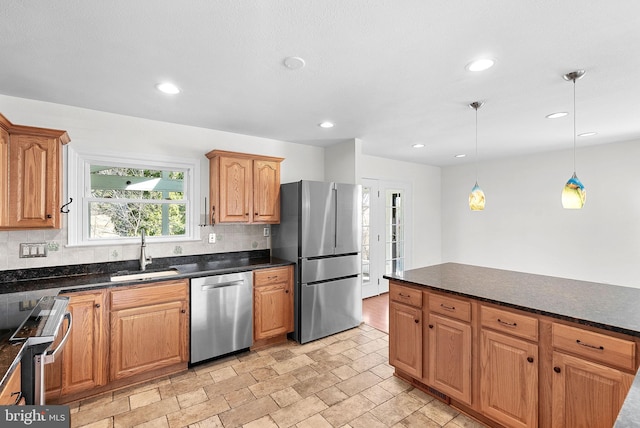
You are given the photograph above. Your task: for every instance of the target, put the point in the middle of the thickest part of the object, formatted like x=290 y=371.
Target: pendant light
x=476 y=197
x=573 y=194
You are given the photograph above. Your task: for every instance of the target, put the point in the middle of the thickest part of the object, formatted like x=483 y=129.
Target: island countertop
x=605 y=306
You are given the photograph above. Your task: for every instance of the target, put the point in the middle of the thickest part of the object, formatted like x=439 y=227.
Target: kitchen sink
x=144 y=275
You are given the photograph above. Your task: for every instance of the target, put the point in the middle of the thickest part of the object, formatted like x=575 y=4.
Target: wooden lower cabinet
x=272 y=302
x=450 y=357
x=586 y=394
x=11 y=394
x=508 y=367
x=405 y=338
x=149 y=328
x=119 y=333
x=82 y=365
x=508 y=379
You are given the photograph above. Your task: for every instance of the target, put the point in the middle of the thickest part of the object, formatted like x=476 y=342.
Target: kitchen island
x=509 y=348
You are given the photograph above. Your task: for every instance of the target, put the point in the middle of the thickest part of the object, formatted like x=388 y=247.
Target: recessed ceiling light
x=461 y=155
x=556 y=115
x=480 y=64
x=168 y=88
x=326 y=124
x=418 y=146
x=293 y=62
x=587 y=134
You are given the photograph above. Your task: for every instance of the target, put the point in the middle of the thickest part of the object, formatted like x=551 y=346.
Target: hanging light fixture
x=476 y=197
x=573 y=194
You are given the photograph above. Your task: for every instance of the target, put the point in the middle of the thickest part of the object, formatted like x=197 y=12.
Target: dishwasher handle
x=222 y=285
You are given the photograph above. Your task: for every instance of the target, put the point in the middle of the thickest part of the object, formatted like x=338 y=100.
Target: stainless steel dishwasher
x=221 y=315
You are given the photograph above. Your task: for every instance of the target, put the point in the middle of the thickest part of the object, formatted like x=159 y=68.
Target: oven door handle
x=50 y=356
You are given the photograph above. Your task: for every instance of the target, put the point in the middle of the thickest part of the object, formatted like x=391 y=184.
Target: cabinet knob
x=183 y=311
x=416 y=321
x=255 y=213
x=49 y=216
x=430 y=325
x=530 y=359
x=97 y=305
x=286 y=291
x=556 y=369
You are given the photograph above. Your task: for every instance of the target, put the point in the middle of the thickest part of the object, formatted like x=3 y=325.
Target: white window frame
x=79 y=185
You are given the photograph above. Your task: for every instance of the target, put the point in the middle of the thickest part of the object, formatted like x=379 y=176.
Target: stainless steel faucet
x=144 y=259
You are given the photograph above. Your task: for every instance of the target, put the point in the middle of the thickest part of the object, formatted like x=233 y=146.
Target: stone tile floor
x=340 y=381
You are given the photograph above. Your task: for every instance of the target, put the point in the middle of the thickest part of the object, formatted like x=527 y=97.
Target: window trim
x=78 y=179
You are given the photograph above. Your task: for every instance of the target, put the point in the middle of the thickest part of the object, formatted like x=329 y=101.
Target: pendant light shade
x=476 y=197
x=573 y=194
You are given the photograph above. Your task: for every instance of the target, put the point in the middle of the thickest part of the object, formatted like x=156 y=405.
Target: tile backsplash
x=229 y=237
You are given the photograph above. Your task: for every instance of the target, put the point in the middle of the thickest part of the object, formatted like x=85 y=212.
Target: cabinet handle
x=49 y=216
x=183 y=311
x=255 y=213
x=97 y=305
x=448 y=308
x=272 y=277
x=18 y=398
x=601 y=348
x=556 y=369
x=416 y=321
x=508 y=324
x=430 y=325
x=406 y=296
x=286 y=291
x=530 y=359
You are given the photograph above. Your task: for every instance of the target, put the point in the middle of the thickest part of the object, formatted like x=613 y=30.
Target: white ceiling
x=389 y=72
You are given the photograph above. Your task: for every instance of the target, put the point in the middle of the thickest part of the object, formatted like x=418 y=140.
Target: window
x=116 y=198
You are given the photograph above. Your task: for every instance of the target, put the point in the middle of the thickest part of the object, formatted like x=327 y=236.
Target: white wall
x=341 y=160
x=525 y=228
x=426 y=211
x=92 y=130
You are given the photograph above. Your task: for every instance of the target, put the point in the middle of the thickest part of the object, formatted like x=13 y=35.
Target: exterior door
x=386 y=238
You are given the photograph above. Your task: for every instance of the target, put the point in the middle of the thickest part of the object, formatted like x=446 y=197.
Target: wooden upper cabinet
x=244 y=188
x=30 y=185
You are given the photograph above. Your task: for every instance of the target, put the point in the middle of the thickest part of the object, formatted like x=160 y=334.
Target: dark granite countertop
x=605 y=306
x=31 y=284
x=610 y=307
x=79 y=277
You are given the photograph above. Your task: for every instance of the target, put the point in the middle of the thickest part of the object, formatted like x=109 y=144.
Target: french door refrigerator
x=320 y=230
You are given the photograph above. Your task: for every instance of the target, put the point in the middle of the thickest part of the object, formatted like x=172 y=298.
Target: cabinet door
x=405 y=338
x=11 y=393
x=509 y=380
x=4 y=177
x=586 y=394
x=83 y=362
x=266 y=191
x=235 y=189
x=34 y=182
x=450 y=357
x=272 y=302
x=147 y=338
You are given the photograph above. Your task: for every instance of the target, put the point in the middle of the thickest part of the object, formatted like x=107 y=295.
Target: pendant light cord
x=476 y=109
x=574 y=125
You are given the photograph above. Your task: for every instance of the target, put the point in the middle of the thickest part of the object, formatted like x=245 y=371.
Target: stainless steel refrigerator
x=320 y=230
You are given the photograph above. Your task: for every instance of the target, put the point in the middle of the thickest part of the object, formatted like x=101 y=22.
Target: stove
x=37 y=332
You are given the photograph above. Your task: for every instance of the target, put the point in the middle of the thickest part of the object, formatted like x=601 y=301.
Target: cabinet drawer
x=450 y=306
x=509 y=322
x=595 y=346
x=271 y=276
x=136 y=296
x=406 y=295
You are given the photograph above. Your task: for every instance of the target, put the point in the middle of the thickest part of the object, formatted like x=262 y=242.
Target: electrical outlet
x=212 y=238
x=28 y=250
x=265 y=231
